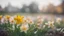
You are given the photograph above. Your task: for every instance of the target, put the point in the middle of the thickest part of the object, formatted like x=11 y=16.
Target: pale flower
x=25 y=21
x=51 y=24
x=40 y=19
x=39 y=26
x=28 y=18
x=44 y=26
x=58 y=20
x=5 y=20
x=24 y=27
x=30 y=22
x=46 y=23
x=7 y=17
x=12 y=20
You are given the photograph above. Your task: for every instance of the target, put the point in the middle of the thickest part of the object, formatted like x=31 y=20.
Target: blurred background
x=34 y=8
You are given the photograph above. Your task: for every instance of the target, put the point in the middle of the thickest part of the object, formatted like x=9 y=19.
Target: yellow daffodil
x=18 y=19
x=7 y=17
x=0 y=17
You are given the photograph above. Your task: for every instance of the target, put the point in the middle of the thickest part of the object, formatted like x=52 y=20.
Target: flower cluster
x=28 y=24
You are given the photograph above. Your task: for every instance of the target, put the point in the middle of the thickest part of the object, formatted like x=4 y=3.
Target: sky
x=19 y=3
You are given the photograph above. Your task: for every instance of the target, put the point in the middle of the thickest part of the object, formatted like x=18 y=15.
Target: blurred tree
x=59 y=9
x=0 y=8
x=63 y=6
x=23 y=9
x=51 y=8
x=33 y=7
x=10 y=8
x=7 y=8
